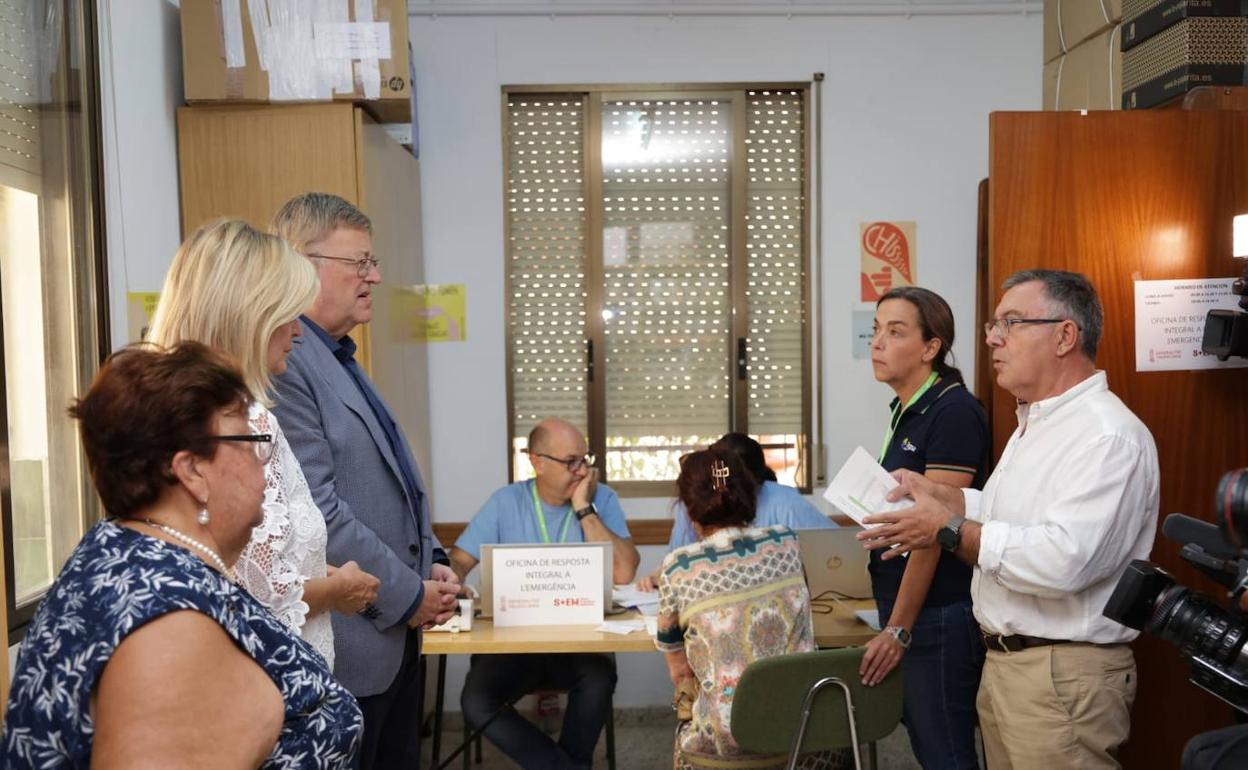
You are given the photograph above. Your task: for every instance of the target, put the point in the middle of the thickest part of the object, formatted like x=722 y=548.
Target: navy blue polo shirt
x=946 y=429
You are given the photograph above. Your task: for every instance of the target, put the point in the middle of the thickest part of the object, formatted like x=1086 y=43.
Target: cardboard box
x=1068 y=23
x=332 y=55
x=1143 y=19
x=1198 y=51
x=1089 y=77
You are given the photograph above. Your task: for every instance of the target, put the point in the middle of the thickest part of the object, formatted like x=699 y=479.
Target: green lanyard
x=899 y=410
x=541 y=516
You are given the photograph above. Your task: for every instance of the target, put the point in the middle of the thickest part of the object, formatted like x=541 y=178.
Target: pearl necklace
x=185 y=539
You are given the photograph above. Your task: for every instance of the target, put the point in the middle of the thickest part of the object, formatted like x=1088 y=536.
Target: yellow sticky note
x=140 y=307
x=429 y=313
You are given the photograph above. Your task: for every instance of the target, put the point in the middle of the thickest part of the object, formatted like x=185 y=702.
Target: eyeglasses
x=263 y=443
x=1002 y=326
x=574 y=465
x=362 y=266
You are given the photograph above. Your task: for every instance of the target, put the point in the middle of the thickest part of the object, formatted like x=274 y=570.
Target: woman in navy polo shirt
x=939 y=429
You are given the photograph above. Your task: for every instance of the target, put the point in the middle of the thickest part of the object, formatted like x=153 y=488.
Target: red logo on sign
x=886 y=242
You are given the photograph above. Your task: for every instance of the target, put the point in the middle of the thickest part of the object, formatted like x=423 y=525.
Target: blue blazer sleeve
x=349 y=539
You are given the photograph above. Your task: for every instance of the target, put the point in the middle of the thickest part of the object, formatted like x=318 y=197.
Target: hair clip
x=719 y=474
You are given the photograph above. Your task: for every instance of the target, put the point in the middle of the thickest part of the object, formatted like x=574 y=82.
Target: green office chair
x=777 y=707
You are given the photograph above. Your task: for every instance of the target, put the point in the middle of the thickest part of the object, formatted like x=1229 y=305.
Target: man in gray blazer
x=364 y=479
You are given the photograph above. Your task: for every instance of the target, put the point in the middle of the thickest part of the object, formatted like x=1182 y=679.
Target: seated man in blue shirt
x=777 y=503
x=563 y=504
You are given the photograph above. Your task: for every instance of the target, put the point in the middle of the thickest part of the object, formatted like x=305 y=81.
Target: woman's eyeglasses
x=262 y=443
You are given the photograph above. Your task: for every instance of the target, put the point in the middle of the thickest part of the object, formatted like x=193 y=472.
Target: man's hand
x=445 y=574
x=881 y=657
x=436 y=606
x=353 y=588
x=648 y=582
x=909 y=529
x=583 y=495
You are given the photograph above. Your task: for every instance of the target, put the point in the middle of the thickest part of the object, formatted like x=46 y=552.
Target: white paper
x=353 y=40
x=860 y=488
x=548 y=586
x=1170 y=323
x=232 y=32
x=631 y=596
x=870 y=617
x=621 y=626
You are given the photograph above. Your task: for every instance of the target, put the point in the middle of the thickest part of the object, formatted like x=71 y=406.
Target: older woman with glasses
x=146 y=651
x=241 y=291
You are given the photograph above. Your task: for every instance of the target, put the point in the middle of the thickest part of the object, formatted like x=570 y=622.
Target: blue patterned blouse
x=115 y=581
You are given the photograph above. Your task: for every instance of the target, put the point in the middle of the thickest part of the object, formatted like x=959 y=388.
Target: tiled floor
x=643 y=741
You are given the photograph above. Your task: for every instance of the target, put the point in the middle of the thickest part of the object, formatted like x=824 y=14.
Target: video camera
x=1147 y=598
x=1226 y=331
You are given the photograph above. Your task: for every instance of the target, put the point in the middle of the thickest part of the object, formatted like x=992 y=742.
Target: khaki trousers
x=1057 y=706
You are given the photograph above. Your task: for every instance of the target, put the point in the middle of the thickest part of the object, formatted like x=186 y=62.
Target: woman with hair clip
x=776 y=503
x=241 y=291
x=735 y=596
x=939 y=429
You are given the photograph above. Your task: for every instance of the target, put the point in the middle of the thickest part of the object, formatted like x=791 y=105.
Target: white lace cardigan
x=288 y=547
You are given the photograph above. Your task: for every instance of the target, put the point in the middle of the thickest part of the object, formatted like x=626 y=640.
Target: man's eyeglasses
x=263 y=443
x=362 y=266
x=574 y=465
x=1002 y=326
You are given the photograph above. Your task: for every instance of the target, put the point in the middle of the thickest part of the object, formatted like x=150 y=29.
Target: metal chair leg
x=874 y=756
x=611 y=733
x=437 y=709
x=808 y=702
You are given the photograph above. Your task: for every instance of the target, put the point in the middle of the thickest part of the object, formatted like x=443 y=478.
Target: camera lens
x=1231 y=507
x=1199 y=627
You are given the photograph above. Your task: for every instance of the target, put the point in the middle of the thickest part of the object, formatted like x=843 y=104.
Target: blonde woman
x=241 y=291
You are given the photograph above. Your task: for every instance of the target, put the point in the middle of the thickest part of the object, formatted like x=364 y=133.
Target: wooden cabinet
x=246 y=161
x=1125 y=196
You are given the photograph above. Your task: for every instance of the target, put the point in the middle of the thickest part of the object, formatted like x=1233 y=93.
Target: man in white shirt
x=1072 y=501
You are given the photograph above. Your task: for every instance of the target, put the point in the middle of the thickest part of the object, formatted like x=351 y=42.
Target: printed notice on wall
x=862 y=332
x=548 y=586
x=1170 y=323
x=429 y=313
x=140 y=306
x=887 y=257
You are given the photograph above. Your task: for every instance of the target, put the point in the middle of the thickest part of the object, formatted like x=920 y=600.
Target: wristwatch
x=586 y=511
x=949 y=537
x=900 y=634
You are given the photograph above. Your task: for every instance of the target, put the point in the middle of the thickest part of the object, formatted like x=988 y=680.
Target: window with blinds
x=49 y=292
x=656 y=259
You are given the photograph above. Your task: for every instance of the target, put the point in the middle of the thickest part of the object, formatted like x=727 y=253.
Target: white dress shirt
x=1072 y=501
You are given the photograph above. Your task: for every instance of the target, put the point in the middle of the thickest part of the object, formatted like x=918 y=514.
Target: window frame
x=89 y=283
x=592 y=97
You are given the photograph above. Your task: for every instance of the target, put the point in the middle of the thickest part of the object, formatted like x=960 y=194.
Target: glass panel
x=546 y=264
x=775 y=289
x=47 y=280
x=666 y=268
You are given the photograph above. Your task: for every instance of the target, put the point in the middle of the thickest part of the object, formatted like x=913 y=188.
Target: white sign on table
x=548 y=586
x=1170 y=323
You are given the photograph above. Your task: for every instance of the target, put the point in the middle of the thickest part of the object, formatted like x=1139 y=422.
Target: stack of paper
x=628 y=595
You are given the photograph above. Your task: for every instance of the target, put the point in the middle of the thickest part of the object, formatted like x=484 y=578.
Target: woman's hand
x=353 y=588
x=651 y=582
x=882 y=656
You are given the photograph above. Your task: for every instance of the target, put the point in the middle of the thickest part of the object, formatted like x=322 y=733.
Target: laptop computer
x=834 y=560
x=487 y=570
